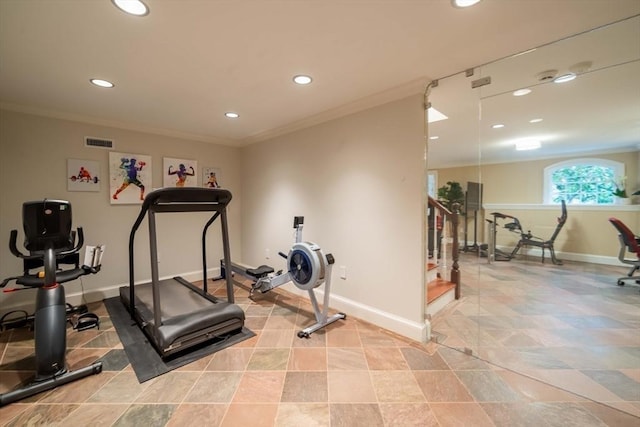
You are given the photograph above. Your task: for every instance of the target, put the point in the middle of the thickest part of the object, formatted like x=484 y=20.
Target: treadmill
x=174 y=314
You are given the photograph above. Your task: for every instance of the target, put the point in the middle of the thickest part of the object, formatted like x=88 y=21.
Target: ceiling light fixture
x=463 y=3
x=132 y=7
x=527 y=144
x=497 y=126
x=231 y=115
x=535 y=120
x=581 y=67
x=522 y=92
x=101 y=83
x=564 y=78
x=434 y=137
x=302 y=79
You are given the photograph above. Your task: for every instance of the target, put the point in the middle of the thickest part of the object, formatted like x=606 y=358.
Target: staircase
x=443 y=272
x=439 y=292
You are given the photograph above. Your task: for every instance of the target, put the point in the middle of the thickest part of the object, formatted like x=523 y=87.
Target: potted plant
x=620 y=192
x=450 y=194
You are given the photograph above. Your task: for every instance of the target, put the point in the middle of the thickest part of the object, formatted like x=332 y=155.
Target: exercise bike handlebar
x=48 y=256
x=13 y=238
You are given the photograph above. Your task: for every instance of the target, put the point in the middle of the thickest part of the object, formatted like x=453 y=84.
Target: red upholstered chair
x=630 y=243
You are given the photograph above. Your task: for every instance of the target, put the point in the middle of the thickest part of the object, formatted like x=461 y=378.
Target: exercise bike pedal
x=85 y=321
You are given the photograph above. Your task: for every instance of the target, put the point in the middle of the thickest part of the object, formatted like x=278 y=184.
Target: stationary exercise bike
x=50 y=242
x=308 y=268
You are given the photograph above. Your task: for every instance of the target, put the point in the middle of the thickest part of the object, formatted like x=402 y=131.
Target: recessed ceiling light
x=231 y=115
x=102 y=83
x=564 y=78
x=434 y=115
x=522 y=92
x=497 y=126
x=535 y=120
x=434 y=137
x=463 y=3
x=527 y=144
x=132 y=7
x=302 y=79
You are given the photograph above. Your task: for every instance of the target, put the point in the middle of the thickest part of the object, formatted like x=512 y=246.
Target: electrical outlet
x=343 y=272
x=267 y=253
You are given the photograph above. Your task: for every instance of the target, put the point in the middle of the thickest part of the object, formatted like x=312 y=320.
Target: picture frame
x=83 y=175
x=179 y=172
x=130 y=177
x=211 y=177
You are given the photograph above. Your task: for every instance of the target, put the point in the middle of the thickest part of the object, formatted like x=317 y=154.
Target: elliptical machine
x=50 y=242
x=308 y=267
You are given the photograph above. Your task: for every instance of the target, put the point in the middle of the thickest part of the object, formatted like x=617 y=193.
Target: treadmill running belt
x=145 y=360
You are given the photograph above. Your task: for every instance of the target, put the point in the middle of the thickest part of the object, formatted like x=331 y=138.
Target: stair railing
x=438 y=216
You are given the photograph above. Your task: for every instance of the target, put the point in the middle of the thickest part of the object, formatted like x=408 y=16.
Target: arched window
x=582 y=181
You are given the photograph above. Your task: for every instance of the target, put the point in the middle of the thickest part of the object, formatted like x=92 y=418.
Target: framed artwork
x=211 y=177
x=129 y=177
x=83 y=175
x=179 y=173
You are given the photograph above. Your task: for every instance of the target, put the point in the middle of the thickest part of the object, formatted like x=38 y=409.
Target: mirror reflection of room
x=551 y=136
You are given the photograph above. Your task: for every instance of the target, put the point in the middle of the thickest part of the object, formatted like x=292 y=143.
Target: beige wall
x=34 y=152
x=516 y=189
x=358 y=181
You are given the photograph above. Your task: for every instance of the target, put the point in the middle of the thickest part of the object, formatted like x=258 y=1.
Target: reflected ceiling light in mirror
x=522 y=92
x=564 y=78
x=434 y=115
x=581 y=67
x=132 y=7
x=527 y=144
x=302 y=79
x=434 y=137
x=535 y=120
x=231 y=115
x=102 y=83
x=497 y=126
x=463 y=3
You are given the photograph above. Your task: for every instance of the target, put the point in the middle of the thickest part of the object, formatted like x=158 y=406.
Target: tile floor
x=567 y=326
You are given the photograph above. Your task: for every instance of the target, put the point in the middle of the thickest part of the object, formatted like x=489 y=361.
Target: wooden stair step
x=437 y=288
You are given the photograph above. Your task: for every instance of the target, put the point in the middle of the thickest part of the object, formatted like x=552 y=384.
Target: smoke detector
x=546 y=75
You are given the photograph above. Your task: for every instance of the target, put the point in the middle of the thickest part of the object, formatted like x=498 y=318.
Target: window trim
x=618 y=170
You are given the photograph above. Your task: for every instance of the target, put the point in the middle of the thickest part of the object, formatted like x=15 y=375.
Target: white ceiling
x=179 y=69
x=597 y=112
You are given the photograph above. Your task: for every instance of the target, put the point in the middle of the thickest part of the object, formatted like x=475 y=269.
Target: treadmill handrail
x=181 y=199
x=187 y=196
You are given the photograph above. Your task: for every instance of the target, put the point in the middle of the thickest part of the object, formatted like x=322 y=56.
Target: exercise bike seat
x=259 y=272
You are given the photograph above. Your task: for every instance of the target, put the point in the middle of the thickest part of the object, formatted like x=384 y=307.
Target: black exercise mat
x=144 y=359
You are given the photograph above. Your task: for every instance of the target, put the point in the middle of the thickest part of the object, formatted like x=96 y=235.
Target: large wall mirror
x=566 y=327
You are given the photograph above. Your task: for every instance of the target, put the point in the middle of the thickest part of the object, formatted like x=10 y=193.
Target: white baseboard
x=418 y=331
x=569 y=256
